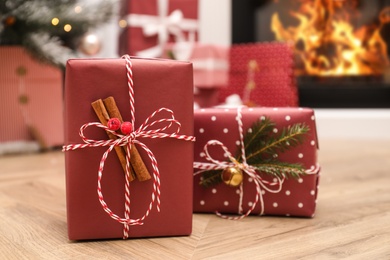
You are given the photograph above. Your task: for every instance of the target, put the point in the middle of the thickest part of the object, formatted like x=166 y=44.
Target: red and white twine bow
x=146 y=130
x=273 y=187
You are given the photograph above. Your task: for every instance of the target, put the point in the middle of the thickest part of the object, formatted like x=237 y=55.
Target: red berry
x=126 y=128
x=114 y=124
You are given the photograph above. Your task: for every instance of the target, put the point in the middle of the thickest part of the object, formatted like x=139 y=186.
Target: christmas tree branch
x=48 y=49
x=254 y=139
x=259 y=142
x=211 y=178
x=290 y=137
x=51 y=30
x=259 y=130
x=281 y=169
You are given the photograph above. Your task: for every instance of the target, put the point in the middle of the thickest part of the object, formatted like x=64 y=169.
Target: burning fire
x=327 y=43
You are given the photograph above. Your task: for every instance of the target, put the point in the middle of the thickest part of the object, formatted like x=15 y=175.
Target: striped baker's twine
x=213 y=164
x=130 y=84
x=169 y=128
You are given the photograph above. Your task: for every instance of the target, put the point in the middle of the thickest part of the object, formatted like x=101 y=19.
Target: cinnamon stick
x=136 y=161
x=102 y=114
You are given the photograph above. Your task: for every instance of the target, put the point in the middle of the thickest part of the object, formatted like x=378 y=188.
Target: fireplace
x=342 y=47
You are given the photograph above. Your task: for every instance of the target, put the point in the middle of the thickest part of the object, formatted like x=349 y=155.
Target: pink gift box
x=211 y=65
x=296 y=197
x=211 y=68
x=153 y=23
x=42 y=85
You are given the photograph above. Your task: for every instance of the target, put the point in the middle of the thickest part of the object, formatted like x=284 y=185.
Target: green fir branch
x=210 y=178
x=290 y=137
x=281 y=169
x=261 y=146
x=254 y=139
x=32 y=29
x=260 y=129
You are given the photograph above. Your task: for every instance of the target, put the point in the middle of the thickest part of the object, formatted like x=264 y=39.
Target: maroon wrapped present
x=151 y=24
x=279 y=141
x=262 y=74
x=157 y=84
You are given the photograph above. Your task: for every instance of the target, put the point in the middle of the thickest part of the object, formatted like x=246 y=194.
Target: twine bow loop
x=163 y=127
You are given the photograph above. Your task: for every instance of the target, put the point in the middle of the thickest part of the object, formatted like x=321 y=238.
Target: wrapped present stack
x=169 y=29
x=133 y=122
x=261 y=74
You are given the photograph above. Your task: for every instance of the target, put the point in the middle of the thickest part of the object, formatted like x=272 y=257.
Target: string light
x=78 y=9
x=55 y=21
x=67 y=27
x=122 y=23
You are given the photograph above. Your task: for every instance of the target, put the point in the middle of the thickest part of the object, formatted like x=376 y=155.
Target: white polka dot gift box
x=255 y=161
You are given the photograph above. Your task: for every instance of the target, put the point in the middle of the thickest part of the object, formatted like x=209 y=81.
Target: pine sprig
x=259 y=130
x=210 y=178
x=261 y=146
x=281 y=169
x=290 y=136
x=32 y=29
x=254 y=139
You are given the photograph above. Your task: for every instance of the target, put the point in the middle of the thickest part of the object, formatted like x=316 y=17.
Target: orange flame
x=327 y=44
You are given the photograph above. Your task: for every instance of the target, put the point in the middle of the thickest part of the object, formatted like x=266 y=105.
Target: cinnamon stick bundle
x=102 y=114
x=107 y=109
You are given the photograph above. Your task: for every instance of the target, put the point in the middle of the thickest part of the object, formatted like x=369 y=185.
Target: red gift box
x=40 y=88
x=157 y=84
x=273 y=196
x=151 y=24
x=211 y=68
x=262 y=74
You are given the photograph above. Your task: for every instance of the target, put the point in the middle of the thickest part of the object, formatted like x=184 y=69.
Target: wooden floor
x=352 y=219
